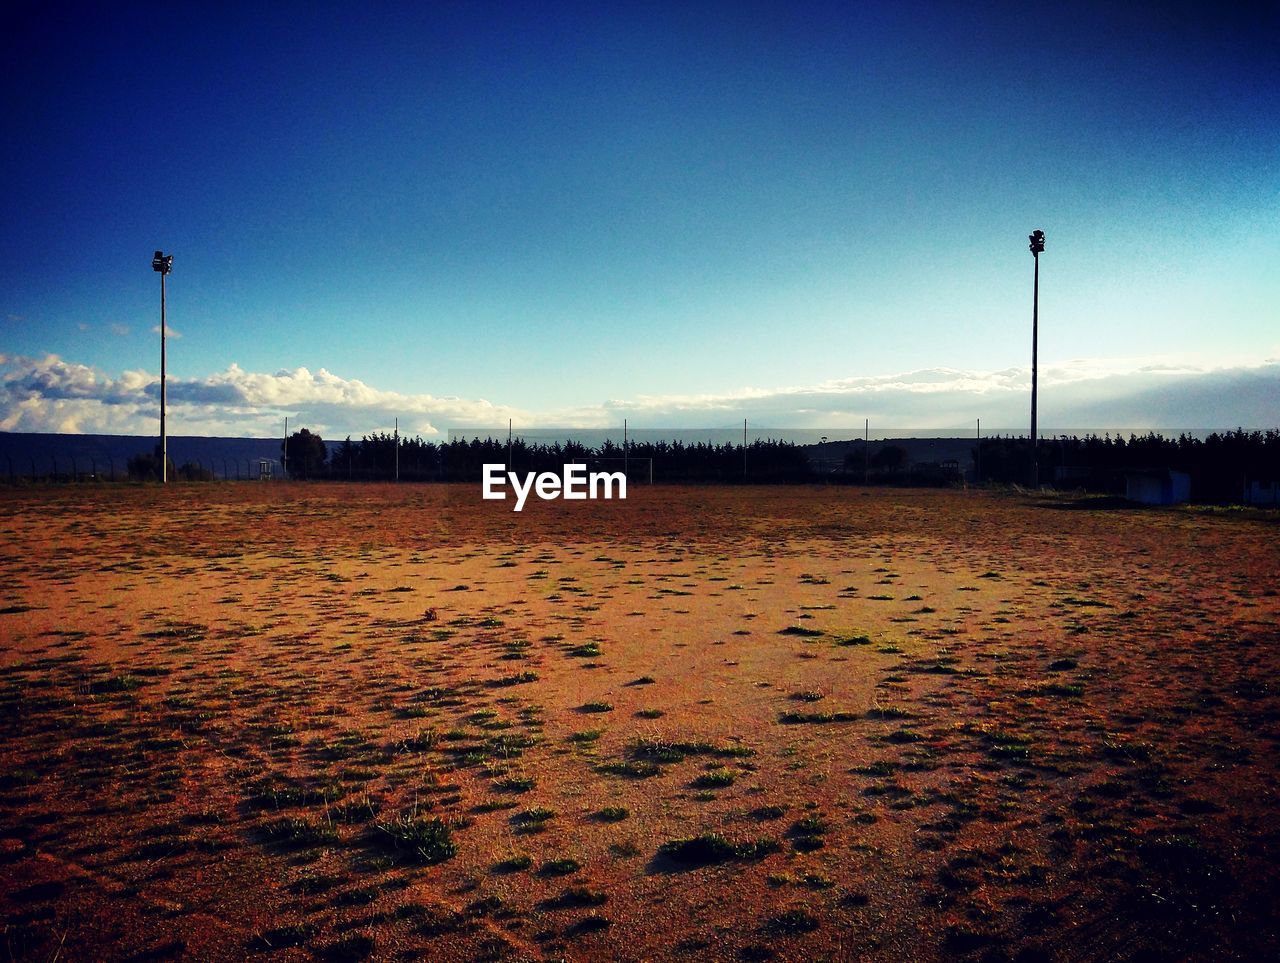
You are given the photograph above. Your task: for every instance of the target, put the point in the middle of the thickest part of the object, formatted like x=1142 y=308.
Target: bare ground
x=294 y=722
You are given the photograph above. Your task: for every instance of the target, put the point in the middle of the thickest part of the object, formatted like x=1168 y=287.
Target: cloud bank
x=51 y=394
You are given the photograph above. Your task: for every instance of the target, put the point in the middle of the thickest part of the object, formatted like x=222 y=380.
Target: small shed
x=1161 y=487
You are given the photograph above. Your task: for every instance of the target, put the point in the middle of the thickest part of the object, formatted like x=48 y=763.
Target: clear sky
x=542 y=208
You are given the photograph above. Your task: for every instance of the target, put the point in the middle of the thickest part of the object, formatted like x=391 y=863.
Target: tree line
x=374 y=458
x=1218 y=465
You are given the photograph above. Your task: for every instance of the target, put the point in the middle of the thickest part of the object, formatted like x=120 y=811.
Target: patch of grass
x=115 y=684
x=578 y=896
x=881 y=767
x=591 y=923
x=711 y=848
x=518 y=678
x=423 y=740
x=650 y=714
x=612 y=814
x=586 y=736
x=715 y=779
x=515 y=784
x=295 y=831
x=677 y=750
x=1008 y=745
x=811 y=825
x=512 y=864
x=889 y=712
x=631 y=769
x=904 y=736
x=808 y=695
x=422 y=839
x=801 y=631
x=847 y=640
x=1062 y=690
x=800 y=718
x=643 y=680
x=535 y=816
x=559 y=867
x=807 y=833
x=596 y=707
x=360 y=896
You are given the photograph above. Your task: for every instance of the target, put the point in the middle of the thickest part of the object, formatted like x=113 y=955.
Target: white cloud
x=51 y=394
x=169 y=331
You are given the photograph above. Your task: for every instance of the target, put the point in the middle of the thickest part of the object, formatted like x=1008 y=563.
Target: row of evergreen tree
x=374 y=457
x=1219 y=465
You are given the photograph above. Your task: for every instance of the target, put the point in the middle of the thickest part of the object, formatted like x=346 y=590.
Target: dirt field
x=289 y=722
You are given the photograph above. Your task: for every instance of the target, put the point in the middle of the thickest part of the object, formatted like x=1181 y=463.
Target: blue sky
x=562 y=212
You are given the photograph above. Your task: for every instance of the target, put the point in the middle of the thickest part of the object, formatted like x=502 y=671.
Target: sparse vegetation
x=710 y=848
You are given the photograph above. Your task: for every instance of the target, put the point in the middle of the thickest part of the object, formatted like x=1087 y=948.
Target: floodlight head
x=163 y=263
x=1037 y=241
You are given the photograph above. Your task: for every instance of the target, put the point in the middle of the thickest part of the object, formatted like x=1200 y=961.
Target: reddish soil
x=292 y=722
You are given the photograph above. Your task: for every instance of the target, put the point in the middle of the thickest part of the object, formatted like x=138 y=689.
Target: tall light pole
x=162 y=264
x=1037 y=246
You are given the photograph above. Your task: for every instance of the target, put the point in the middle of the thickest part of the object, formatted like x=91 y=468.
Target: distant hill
x=23 y=454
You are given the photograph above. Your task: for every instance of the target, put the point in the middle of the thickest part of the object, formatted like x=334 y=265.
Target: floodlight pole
x=1037 y=246
x=163 y=263
x=164 y=395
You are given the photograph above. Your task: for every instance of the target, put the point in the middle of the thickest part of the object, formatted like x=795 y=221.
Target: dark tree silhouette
x=1219 y=465
x=890 y=458
x=305 y=454
x=146 y=467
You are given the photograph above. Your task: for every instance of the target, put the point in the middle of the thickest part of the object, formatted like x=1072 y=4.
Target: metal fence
x=70 y=468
